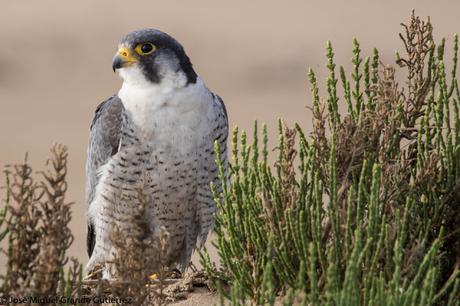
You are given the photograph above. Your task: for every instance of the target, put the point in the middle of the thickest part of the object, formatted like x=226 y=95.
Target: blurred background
x=55 y=62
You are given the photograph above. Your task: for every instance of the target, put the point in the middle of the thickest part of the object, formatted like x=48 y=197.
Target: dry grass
x=35 y=222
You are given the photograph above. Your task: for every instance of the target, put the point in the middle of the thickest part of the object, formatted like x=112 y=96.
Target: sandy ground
x=55 y=63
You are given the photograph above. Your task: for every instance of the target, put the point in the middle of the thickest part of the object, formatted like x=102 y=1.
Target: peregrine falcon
x=161 y=125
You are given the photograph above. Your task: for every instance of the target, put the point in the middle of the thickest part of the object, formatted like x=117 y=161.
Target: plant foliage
x=365 y=210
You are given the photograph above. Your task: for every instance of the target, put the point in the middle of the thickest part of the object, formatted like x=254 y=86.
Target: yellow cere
x=126 y=55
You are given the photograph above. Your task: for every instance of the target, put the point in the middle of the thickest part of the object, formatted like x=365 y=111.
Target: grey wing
x=207 y=205
x=104 y=138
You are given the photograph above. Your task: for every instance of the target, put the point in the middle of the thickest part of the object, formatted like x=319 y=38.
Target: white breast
x=169 y=113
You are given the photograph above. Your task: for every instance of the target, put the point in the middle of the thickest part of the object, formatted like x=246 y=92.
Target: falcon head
x=149 y=55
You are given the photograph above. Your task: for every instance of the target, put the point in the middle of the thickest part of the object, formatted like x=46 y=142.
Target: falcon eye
x=145 y=49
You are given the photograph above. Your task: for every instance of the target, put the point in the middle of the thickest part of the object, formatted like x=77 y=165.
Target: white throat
x=160 y=106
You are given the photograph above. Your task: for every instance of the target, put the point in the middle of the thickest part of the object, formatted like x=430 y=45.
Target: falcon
x=159 y=129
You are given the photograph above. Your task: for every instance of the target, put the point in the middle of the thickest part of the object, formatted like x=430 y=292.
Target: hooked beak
x=123 y=58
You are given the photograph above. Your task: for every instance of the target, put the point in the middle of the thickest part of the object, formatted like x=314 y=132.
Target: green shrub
x=364 y=211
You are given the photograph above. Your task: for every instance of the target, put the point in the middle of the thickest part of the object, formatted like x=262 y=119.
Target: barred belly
x=169 y=179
